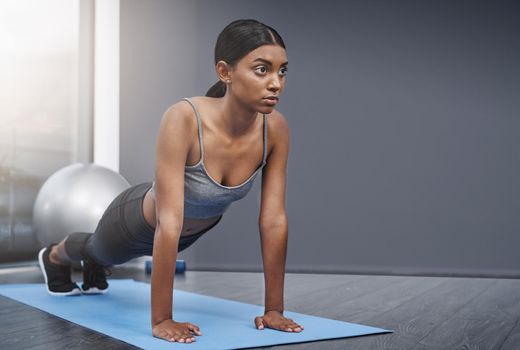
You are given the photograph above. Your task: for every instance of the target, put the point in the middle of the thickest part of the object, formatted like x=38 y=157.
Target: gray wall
x=404 y=116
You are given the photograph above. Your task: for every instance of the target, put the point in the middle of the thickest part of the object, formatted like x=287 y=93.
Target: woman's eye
x=262 y=70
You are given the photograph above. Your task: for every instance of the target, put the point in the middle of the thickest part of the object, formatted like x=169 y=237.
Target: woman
x=209 y=151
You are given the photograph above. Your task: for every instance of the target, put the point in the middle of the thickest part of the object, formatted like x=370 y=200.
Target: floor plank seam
x=452 y=315
x=415 y=296
x=517 y=324
x=374 y=290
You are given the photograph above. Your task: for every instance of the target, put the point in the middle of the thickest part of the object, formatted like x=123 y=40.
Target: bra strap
x=265 y=139
x=199 y=124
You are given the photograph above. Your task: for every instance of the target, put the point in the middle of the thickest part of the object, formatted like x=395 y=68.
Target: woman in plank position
x=209 y=151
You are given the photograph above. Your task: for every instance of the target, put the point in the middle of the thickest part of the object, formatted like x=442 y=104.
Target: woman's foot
x=57 y=276
x=94 y=278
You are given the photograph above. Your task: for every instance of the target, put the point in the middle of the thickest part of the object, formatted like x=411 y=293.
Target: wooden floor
x=424 y=312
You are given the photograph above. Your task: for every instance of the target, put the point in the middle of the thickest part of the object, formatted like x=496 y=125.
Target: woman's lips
x=271 y=101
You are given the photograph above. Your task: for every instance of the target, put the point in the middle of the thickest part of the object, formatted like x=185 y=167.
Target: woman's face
x=258 y=78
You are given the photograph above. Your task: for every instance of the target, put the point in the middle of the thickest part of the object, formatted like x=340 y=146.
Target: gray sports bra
x=205 y=197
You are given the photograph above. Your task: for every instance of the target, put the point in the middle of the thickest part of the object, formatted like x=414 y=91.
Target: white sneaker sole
x=94 y=290
x=75 y=291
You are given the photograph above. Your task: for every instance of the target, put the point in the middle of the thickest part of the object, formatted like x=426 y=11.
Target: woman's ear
x=224 y=72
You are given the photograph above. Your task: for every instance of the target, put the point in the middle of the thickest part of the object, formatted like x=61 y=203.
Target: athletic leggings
x=122 y=233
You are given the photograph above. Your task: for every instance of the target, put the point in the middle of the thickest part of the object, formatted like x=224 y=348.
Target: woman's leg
x=119 y=236
x=58 y=255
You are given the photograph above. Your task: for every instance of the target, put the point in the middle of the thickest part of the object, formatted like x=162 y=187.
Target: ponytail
x=217 y=90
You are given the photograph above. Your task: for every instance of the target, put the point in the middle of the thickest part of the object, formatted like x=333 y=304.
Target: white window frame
x=106 y=84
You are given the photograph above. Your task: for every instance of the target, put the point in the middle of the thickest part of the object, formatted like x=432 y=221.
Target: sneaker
x=57 y=277
x=94 y=278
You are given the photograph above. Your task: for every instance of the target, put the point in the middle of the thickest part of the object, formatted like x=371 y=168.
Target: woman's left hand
x=275 y=320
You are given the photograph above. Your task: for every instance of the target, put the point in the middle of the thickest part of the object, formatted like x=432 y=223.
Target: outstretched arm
x=273 y=226
x=172 y=150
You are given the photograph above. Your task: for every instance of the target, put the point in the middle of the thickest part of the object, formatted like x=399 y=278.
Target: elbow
x=277 y=222
x=169 y=224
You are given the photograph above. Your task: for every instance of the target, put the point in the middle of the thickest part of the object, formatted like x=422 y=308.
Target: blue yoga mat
x=124 y=313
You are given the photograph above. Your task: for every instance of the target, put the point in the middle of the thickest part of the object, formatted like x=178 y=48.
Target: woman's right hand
x=182 y=332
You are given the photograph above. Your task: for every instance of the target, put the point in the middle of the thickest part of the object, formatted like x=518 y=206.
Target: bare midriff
x=190 y=226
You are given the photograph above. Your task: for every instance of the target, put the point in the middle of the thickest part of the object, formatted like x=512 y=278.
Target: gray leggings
x=122 y=233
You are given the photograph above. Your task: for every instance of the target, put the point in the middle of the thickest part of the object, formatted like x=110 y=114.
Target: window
x=45 y=106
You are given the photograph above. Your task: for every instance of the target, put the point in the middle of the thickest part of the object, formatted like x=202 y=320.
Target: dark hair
x=238 y=39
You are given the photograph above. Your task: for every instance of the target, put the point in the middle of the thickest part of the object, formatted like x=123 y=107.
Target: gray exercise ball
x=73 y=199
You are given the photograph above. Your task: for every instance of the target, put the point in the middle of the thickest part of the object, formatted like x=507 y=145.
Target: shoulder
x=179 y=115
x=277 y=120
x=178 y=126
x=278 y=132
x=278 y=127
